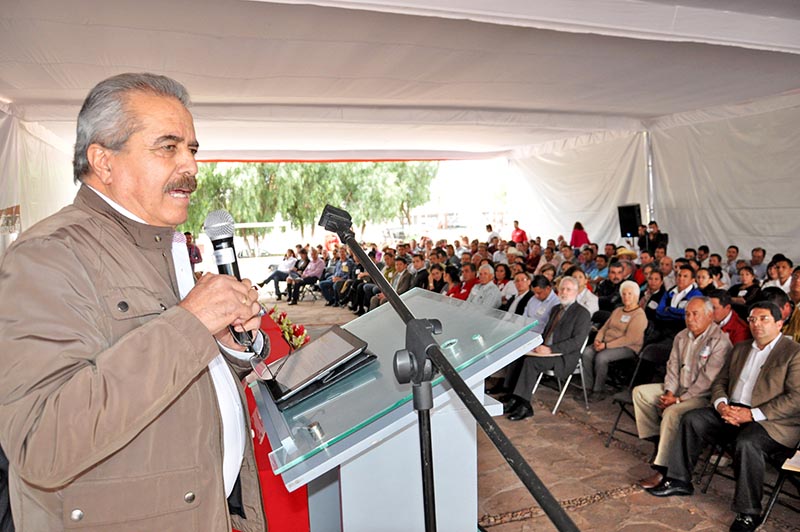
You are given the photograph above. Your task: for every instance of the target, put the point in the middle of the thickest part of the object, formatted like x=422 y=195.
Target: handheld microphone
x=219 y=228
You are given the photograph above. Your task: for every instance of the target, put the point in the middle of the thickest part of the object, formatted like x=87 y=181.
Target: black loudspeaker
x=630 y=218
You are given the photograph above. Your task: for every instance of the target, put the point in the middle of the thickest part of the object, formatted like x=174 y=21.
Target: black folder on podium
x=316 y=366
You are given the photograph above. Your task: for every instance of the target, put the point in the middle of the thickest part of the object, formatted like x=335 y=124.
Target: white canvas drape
x=35 y=169
x=730 y=181
x=584 y=183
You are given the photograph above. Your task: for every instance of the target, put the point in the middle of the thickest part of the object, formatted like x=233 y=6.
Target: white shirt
x=743 y=390
x=775 y=282
x=230 y=406
x=588 y=300
x=679 y=296
x=485 y=294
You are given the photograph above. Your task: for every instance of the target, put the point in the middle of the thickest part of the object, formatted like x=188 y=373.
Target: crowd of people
x=709 y=321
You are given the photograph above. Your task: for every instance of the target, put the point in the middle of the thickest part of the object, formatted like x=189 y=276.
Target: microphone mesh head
x=219 y=225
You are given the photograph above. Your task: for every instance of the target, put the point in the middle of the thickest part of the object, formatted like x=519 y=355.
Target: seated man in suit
x=698 y=354
x=567 y=329
x=516 y=304
x=756 y=407
x=401 y=282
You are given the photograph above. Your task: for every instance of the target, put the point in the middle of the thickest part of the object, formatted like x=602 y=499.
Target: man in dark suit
x=401 y=282
x=756 y=399
x=567 y=329
x=517 y=303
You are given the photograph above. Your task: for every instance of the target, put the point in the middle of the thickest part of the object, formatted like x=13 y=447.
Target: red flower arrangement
x=294 y=334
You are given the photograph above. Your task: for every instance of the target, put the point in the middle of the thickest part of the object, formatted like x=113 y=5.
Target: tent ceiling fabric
x=270 y=79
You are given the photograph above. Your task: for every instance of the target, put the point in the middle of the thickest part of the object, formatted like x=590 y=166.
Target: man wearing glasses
x=756 y=406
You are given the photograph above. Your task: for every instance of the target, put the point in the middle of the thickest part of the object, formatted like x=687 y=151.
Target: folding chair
x=625 y=398
x=784 y=473
x=577 y=371
x=311 y=290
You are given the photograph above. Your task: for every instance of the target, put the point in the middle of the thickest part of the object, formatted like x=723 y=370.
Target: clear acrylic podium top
x=469 y=333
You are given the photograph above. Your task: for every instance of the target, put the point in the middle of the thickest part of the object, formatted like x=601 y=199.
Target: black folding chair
x=624 y=399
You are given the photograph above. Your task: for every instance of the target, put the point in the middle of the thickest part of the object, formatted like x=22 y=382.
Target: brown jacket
x=108 y=413
x=704 y=363
x=777 y=389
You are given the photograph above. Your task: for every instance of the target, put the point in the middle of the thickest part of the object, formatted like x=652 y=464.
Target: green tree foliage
x=370 y=192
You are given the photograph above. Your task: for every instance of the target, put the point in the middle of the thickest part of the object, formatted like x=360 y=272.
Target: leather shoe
x=745 y=523
x=670 y=487
x=523 y=411
x=292 y=302
x=511 y=405
x=652 y=481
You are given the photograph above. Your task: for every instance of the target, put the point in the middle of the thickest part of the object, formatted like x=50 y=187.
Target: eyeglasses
x=762 y=319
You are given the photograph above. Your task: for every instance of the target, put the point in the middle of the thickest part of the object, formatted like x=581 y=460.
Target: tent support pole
x=648 y=144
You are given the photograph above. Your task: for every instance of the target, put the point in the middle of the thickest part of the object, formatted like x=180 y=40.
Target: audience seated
x=401 y=282
x=485 y=292
x=543 y=300
x=697 y=356
x=282 y=272
x=783 y=269
x=567 y=329
x=517 y=304
x=652 y=294
x=724 y=316
x=585 y=297
x=746 y=292
x=505 y=282
x=608 y=290
x=791 y=326
x=311 y=274
x=620 y=337
x=468 y=280
x=342 y=271
x=755 y=408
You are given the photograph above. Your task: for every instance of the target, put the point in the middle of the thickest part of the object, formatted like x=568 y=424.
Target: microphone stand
x=416 y=363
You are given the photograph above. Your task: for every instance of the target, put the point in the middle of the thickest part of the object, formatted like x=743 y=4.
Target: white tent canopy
x=557 y=86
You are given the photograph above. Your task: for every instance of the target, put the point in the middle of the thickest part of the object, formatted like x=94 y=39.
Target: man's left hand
x=668 y=399
x=738 y=415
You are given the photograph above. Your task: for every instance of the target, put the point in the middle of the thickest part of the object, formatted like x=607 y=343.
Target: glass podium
x=345 y=441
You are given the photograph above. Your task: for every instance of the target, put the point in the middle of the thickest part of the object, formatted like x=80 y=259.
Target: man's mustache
x=187 y=183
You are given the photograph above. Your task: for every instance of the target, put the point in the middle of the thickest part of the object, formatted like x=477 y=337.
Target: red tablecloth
x=286 y=512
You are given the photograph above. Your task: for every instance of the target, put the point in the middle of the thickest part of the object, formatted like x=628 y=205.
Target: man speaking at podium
x=117 y=409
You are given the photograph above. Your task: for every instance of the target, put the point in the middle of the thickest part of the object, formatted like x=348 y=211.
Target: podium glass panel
x=469 y=333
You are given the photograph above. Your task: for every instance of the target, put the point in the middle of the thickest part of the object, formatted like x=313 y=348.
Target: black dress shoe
x=670 y=487
x=745 y=523
x=292 y=302
x=329 y=304
x=277 y=297
x=511 y=404
x=523 y=411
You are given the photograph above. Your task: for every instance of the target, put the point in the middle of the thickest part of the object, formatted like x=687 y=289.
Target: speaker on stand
x=630 y=218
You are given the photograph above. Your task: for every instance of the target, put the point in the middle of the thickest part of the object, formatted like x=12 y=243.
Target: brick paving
x=597 y=485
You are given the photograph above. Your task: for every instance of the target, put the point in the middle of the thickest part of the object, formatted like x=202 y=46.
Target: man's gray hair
x=571 y=280
x=708 y=306
x=486 y=267
x=105 y=119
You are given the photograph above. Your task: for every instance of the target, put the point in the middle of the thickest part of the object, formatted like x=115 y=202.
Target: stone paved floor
x=596 y=484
